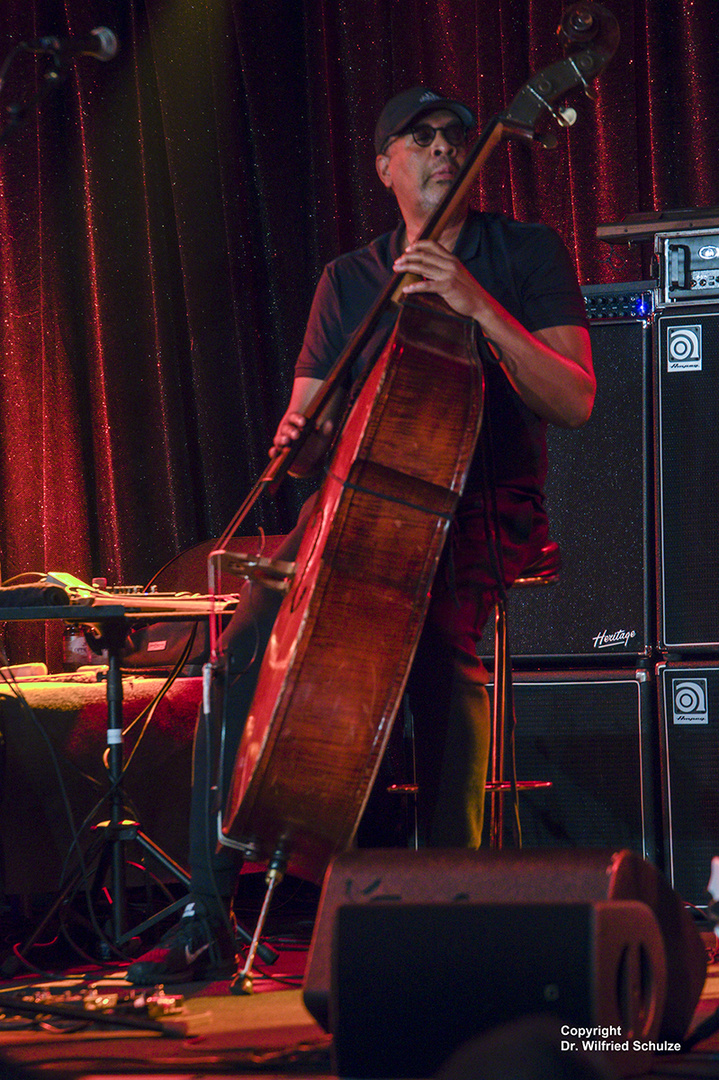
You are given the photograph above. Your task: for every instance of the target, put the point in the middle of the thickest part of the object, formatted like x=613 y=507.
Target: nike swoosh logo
x=190 y=957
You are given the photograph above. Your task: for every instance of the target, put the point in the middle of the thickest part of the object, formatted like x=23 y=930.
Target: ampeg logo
x=684 y=348
x=689 y=700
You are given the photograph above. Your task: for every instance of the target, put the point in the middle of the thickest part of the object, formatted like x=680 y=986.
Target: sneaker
x=199 y=947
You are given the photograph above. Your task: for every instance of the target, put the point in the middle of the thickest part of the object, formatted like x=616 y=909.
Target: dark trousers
x=446 y=686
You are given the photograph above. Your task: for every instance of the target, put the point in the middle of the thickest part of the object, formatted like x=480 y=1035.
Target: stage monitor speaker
x=592 y=735
x=687 y=449
x=396 y=877
x=412 y=983
x=596 y=502
x=689 y=715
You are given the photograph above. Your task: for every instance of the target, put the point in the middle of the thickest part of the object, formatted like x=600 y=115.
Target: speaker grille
x=444 y=973
x=590 y=734
x=599 y=516
x=690 y=732
x=688 y=459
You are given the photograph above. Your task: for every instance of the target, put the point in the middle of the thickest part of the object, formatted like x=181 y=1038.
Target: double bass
x=356 y=595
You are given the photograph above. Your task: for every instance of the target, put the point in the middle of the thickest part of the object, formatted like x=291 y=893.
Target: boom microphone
x=100 y=43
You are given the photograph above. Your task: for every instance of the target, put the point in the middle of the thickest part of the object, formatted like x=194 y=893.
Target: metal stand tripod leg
x=114 y=764
x=120 y=832
x=109 y=849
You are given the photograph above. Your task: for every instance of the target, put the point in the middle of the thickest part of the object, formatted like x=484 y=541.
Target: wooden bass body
x=338 y=659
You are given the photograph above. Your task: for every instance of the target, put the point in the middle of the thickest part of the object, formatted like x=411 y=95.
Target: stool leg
x=496 y=814
x=409 y=788
x=411 y=765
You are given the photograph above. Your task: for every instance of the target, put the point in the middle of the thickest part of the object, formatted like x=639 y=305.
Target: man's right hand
x=290 y=428
x=294 y=421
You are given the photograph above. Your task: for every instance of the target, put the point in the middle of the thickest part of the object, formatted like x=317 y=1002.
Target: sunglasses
x=455 y=134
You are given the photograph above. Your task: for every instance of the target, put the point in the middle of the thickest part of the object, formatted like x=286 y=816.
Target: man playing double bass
x=518 y=284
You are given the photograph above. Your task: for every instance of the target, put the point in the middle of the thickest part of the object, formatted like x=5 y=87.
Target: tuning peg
x=567 y=117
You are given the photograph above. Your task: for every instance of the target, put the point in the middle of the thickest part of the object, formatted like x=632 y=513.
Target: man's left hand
x=441 y=273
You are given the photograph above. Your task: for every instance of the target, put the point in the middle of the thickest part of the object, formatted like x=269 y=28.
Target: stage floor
x=209 y=1031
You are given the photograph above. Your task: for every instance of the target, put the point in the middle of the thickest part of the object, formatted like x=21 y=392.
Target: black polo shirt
x=525 y=267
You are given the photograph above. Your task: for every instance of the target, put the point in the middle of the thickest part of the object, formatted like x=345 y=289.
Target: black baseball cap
x=402 y=109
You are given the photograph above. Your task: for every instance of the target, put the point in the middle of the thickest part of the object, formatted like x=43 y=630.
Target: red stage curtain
x=165 y=216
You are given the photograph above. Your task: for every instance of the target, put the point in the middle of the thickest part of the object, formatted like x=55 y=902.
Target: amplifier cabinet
x=598 y=514
x=689 y=266
x=687 y=456
x=453 y=880
x=592 y=734
x=689 y=727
